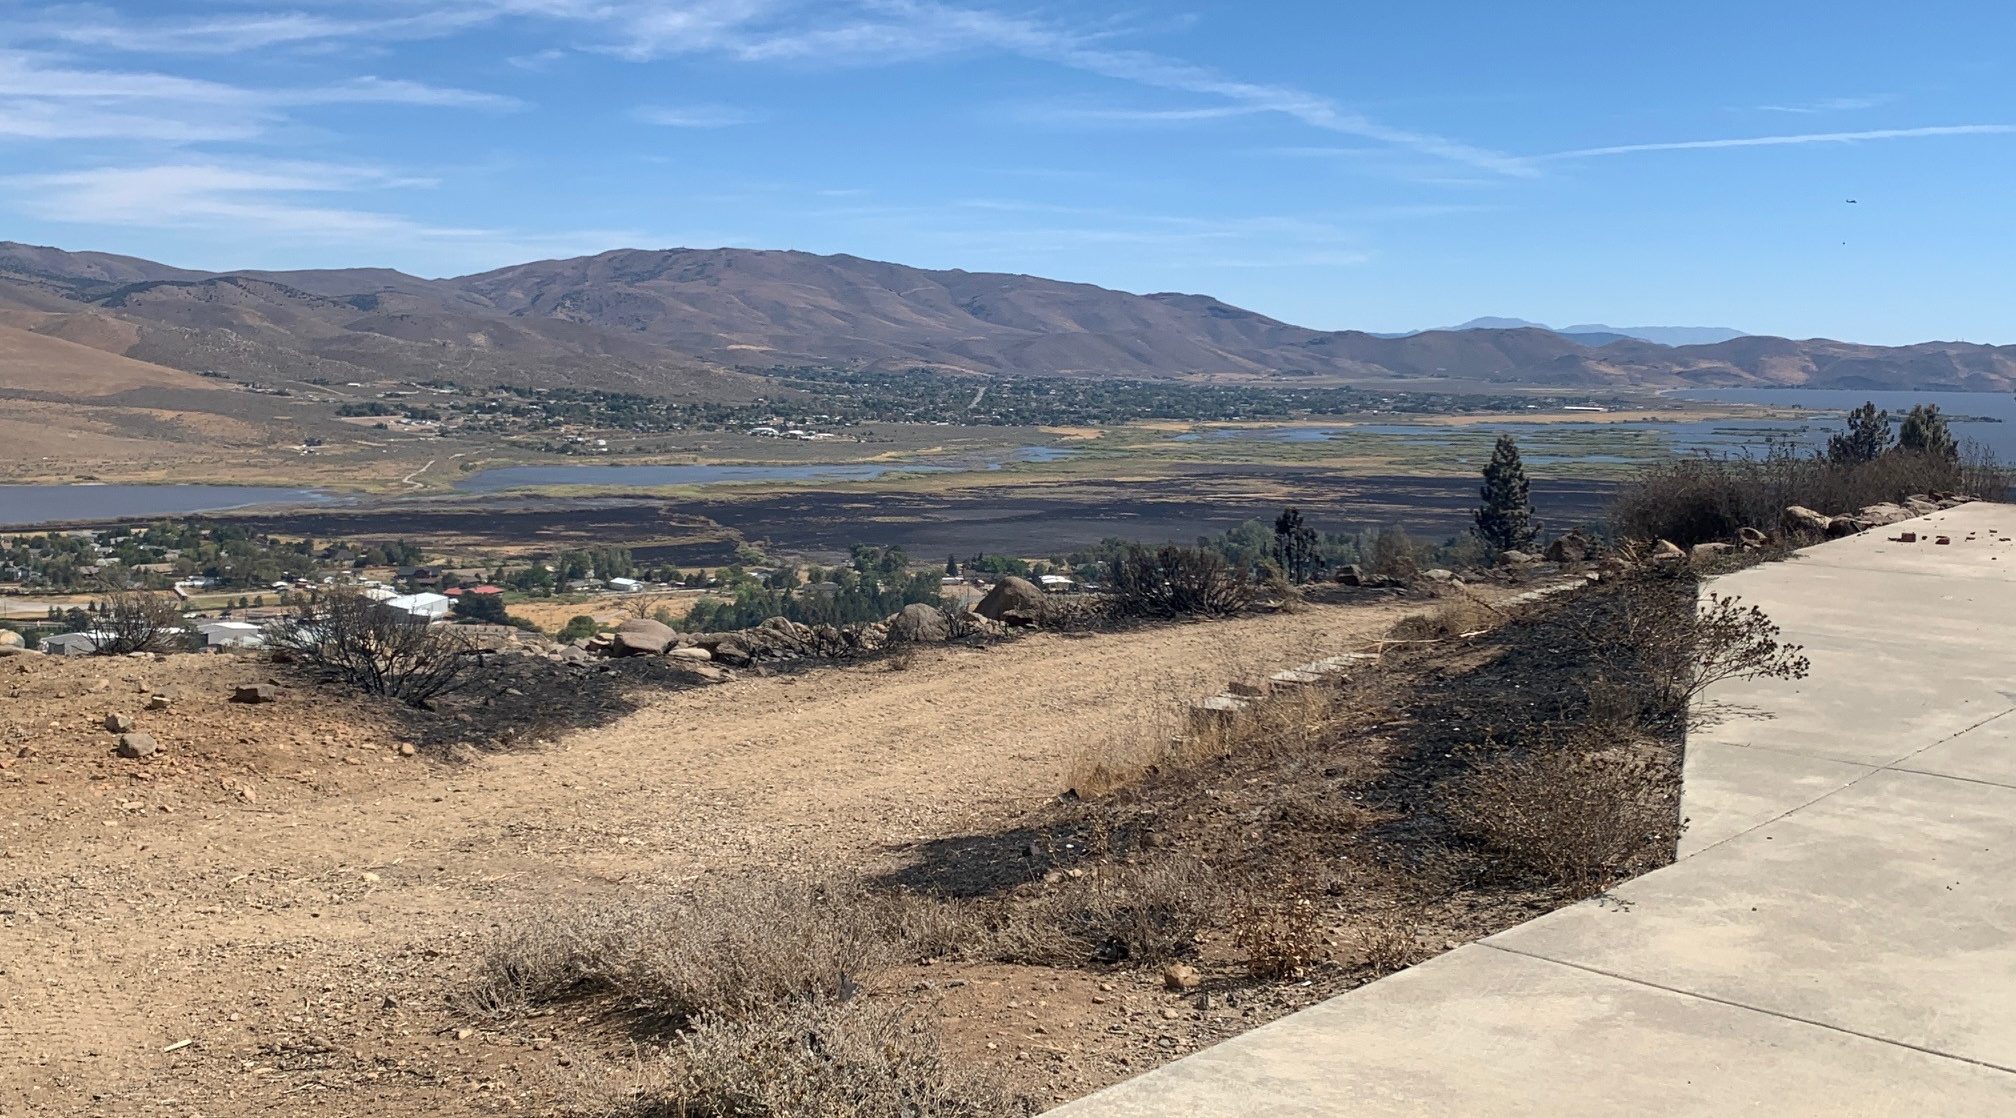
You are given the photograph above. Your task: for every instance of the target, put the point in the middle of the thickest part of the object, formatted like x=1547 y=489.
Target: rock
x=733 y=653
x=1751 y=537
x=11 y=639
x=1710 y=550
x=1011 y=593
x=407 y=749
x=1574 y=547
x=1844 y=526
x=1350 y=574
x=1020 y=619
x=159 y=702
x=1514 y=558
x=705 y=673
x=641 y=636
x=1802 y=520
x=1920 y=505
x=136 y=745
x=1666 y=551
x=920 y=623
x=1439 y=574
x=16 y=650
x=255 y=693
x=1181 y=977
x=1880 y=515
x=1247 y=690
x=119 y=723
x=690 y=652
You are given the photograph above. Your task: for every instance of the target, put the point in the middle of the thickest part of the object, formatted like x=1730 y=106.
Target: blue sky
x=1339 y=165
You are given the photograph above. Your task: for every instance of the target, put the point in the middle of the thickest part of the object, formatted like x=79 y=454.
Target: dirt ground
x=273 y=912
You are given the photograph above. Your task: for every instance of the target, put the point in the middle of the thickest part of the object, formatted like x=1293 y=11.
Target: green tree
x=1505 y=521
x=1924 y=431
x=952 y=566
x=1865 y=440
x=578 y=627
x=1295 y=547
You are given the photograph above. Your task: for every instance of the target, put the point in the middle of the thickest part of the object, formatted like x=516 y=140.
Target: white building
x=229 y=634
x=424 y=607
x=1057 y=584
x=626 y=585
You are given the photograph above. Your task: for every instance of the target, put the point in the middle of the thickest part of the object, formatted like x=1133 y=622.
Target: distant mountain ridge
x=1598 y=334
x=712 y=322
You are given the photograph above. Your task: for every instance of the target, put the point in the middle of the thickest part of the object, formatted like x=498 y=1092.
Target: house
x=626 y=585
x=229 y=634
x=422 y=576
x=418 y=607
x=378 y=593
x=1057 y=584
x=72 y=644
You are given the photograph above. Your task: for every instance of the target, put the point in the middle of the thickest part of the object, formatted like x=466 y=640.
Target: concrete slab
x=1986 y=752
x=1486 y=1032
x=1730 y=789
x=1883 y=909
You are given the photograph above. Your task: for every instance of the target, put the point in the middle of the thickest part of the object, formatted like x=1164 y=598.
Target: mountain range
x=711 y=322
x=1597 y=334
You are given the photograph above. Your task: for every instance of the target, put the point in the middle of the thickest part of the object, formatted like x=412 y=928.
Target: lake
x=1972 y=415
x=42 y=504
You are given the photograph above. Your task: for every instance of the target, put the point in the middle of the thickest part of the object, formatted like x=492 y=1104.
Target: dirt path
x=304 y=949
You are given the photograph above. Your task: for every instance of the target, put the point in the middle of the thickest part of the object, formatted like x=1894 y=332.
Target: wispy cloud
x=695 y=116
x=94 y=25
x=255 y=197
x=1784 y=141
x=1828 y=105
x=1052 y=113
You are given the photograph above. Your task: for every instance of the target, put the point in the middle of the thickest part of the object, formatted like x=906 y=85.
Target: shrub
x=730 y=952
x=375 y=650
x=1393 y=554
x=137 y=621
x=1279 y=936
x=1137 y=915
x=1652 y=636
x=1704 y=498
x=808 y=1061
x=578 y=627
x=1459 y=615
x=1176 y=582
x=1581 y=812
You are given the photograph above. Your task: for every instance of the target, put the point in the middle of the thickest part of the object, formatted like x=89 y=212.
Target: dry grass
x=1279 y=935
x=1460 y=614
x=800 y=1061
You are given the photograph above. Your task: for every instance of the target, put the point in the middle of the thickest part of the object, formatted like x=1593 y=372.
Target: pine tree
x=952 y=566
x=1865 y=440
x=1505 y=522
x=1295 y=547
x=1924 y=431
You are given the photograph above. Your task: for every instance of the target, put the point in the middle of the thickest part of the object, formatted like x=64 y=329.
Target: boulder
x=1020 y=619
x=1879 y=515
x=1844 y=526
x=1710 y=550
x=641 y=636
x=1181 y=977
x=1574 y=547
x=1515 y=558
x=1919 y=506
x=704 y=673
x=691 y=652
x=7 y=650
x=1011 y=593
x=733 y=653
x=256 y=693
x=1666 y=551
x=1799 y=519
x=11 y=639
x=119 y=723
x=920 y=623
x=1439 y=574
x=137 y=745
x=1751 y=537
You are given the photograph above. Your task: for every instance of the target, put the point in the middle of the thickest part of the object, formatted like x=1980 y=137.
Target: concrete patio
x=1838 y=936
